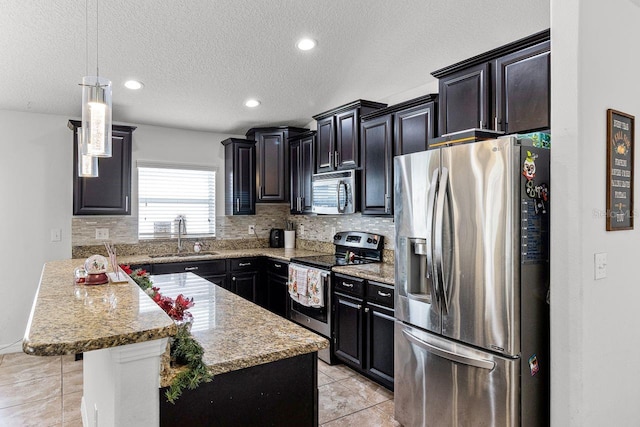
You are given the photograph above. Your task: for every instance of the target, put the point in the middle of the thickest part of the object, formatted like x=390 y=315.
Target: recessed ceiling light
x=306 y=44
x=133 y=84
x=252 y=103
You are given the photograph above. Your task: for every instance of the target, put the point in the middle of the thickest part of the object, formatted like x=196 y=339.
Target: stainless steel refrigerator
x=472 y=317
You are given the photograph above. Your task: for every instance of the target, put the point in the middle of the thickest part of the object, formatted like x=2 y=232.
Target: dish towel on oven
x=315 y=288
x=298 y=284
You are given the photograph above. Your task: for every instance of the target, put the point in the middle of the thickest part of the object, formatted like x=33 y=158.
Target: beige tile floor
x=46 y=391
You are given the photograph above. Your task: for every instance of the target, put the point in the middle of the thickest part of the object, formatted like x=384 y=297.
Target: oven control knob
x=337 y=237
x=375 y=241
x=369 y=240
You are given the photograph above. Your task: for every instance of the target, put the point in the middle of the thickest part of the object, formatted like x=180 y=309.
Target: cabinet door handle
x=366 y=310
x=336 y=159
x=233 y=278
x=358 y=306
x=382 y=294
x=301 y=203
x=495 y=123
x=386 y=203
x=330 y=159
x=126 y=203
x=480 y=125
x=190 y=268
x=347 y=285
x=243 y=264
x=277 y=265
x=238 y=204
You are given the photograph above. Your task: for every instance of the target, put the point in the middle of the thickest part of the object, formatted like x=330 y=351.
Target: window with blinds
x=167 y=192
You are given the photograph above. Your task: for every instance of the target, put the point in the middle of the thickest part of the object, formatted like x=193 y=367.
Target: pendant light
x=87 y=165
x=96 y=106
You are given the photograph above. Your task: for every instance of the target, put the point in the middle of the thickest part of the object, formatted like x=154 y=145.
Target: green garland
x=186 y=350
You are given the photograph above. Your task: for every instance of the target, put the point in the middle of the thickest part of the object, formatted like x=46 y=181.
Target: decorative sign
x=620 y=134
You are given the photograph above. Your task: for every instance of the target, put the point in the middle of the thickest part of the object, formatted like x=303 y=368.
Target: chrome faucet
x=181 y=228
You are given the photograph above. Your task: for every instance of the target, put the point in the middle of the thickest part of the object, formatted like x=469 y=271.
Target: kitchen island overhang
x=241 y=340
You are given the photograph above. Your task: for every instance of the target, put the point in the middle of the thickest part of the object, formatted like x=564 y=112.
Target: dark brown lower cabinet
x=244 y=284
x=364 y=327
x=277 y=294
x=379 y=343
x=280 y=393
x=348 y=323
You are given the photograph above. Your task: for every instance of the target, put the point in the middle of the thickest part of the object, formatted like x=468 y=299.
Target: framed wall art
x=620 y=152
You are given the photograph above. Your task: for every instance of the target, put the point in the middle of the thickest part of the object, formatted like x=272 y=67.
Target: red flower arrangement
x=176 y=309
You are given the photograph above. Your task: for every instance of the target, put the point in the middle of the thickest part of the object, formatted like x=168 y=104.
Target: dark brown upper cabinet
x=464 y=99
x=506 y=89
x=272 y=161
x=240 y=176
x=338 y=135
x=402 y=128
x=377 y=159
x=301 y=169
x=414 y=124
x=523 y=89
x=110 y=192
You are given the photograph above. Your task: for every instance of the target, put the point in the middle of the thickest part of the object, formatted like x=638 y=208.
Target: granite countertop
x=234 y=332
x=378 y=272
x=276 y=253
x=67 y=318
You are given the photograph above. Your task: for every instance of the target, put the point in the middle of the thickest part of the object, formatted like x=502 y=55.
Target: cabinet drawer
x=197 y=267
x=349 y=285
x=380 y=293
x=280 y=268
x=244 y=264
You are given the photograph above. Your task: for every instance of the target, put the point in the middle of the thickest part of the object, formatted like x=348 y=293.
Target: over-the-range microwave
x=334 y=193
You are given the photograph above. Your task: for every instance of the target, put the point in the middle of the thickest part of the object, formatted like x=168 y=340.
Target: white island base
x=122 y=385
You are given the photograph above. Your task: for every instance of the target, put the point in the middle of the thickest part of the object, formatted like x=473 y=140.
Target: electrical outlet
x=301 y=228
x=56 y=234
x=252 y=229
x=102 y=233
x=600 y=265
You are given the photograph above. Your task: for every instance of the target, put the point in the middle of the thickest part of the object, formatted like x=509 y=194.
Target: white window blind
x=166 y=192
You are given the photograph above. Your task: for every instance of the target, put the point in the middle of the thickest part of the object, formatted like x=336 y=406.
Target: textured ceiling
x=200 y=60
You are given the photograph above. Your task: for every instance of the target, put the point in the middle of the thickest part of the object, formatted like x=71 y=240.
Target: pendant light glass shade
x=96 y=117
x=87 y=165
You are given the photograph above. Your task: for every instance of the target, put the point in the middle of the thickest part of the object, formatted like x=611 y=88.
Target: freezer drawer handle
x=382 y=294
x=466 y=360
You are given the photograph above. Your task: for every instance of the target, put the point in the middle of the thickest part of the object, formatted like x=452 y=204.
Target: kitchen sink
x=184 y=255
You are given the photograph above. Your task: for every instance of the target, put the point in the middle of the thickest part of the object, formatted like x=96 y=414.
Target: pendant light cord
x=86 y=35
x=86 y=32
x=97 y=45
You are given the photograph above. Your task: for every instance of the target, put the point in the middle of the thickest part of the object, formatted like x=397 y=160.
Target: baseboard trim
x=11 y=348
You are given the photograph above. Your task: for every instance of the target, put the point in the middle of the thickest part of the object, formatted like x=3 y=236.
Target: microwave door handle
x=340 y=208
x=439 y=264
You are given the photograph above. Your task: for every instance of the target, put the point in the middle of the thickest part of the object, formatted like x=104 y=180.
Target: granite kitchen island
x=264 y=366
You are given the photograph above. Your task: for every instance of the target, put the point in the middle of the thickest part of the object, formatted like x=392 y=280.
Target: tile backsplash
x=309 y=228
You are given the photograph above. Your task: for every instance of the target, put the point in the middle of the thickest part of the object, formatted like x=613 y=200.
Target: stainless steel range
x=351 y=248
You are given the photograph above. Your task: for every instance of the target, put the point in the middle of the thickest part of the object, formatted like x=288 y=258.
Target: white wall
x=36 y=195
x=594 y=324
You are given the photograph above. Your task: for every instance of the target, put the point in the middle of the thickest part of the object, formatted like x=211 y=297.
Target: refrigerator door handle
x=455 y=357
x=431 y=202
x=439 y=264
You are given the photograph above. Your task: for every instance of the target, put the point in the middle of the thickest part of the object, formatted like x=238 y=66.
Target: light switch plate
x=56 y=234
x=600 y=265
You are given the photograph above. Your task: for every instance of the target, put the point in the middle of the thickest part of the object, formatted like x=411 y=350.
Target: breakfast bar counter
x=261 y=362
